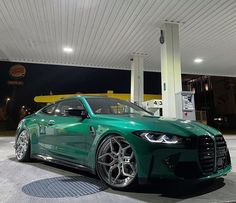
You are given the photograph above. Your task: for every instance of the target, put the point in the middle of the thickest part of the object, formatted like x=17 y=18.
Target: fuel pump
x=185 y=105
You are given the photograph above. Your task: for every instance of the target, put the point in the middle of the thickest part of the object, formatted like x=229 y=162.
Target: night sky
x=40 y=79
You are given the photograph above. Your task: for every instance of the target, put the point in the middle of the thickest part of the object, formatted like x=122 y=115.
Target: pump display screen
x=188 y=102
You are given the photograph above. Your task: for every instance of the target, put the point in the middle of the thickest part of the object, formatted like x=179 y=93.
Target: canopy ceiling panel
x=105 y=33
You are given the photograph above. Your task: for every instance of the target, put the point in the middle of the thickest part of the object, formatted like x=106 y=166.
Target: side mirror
x=77 y=112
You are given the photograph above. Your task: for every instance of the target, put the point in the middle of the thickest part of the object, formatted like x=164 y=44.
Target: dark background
x=41 y=79
x=218 y=101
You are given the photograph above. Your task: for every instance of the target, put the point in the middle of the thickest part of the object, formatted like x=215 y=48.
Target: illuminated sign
x=17 y=71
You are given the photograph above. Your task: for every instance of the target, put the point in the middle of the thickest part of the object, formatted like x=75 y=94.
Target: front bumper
x=195 y=162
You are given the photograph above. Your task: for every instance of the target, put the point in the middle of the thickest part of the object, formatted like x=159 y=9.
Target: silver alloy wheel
x=22 y=144
x=116 y=163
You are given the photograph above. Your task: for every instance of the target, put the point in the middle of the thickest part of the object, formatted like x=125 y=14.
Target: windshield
x=115 y=107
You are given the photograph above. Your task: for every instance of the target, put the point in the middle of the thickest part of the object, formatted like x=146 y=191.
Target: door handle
x=51 y=122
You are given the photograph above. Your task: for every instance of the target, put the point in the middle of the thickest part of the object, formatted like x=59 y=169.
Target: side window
x=49 y=109
x=68 y=104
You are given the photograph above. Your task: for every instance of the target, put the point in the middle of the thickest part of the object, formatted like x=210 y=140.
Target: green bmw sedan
x=121 y=142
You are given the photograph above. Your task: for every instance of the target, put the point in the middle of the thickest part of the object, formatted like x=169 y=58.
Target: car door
x=70 y=132
x=46 y=119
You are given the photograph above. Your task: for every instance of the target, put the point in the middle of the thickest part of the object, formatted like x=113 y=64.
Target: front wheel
x=23 y=146
x=115 y=162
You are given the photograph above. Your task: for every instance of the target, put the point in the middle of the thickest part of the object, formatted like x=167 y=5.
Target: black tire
x=23 y=146
x=115 y=157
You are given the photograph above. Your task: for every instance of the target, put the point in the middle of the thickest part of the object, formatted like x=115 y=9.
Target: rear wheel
x=115 y=163
x=23 y=146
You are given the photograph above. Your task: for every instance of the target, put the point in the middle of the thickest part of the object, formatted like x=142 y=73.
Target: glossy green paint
x=72 y=139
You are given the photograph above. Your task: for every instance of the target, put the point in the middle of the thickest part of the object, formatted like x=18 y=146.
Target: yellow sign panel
x=110 y=93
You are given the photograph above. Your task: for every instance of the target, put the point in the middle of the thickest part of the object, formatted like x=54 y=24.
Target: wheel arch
x=97 y=142
x=103 y=138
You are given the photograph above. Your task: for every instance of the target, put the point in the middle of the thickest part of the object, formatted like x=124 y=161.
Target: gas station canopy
x=105 y=33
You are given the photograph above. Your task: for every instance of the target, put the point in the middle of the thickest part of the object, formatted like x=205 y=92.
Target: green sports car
x=121 y=142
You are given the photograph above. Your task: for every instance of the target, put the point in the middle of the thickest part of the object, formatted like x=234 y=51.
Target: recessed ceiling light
x=198 y=60
x=68 y=49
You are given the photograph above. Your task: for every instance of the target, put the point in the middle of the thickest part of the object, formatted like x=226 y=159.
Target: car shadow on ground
x=56 y=168
x=174 y=190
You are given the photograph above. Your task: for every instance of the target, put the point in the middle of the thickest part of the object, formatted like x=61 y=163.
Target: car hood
x=160 y=124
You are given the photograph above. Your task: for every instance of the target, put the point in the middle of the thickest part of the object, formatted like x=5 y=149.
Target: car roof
x=83 y=96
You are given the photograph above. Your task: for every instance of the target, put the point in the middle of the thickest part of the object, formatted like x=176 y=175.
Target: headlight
x=157 y=137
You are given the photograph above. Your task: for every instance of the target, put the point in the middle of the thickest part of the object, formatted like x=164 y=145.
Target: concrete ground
x=43 y=182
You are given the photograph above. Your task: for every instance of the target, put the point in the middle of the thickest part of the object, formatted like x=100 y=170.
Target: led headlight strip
x=157 y=137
